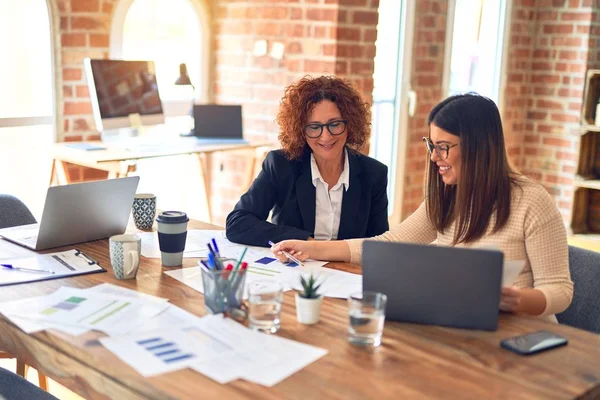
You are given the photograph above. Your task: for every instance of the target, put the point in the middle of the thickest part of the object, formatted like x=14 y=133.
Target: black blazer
x=286 y=187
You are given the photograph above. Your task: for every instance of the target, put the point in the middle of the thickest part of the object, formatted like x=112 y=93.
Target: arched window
x=26 y=100
x=170 y=32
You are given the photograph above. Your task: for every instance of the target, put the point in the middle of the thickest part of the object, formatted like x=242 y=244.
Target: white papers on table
x=338 y=284
x=66 y=263
x=85 y=309
x=511 y=270
x=11 y=250
x=195 y=244
x=334 y=283
x=217 y=347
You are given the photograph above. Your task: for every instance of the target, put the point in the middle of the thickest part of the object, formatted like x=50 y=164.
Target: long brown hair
x=486 y=178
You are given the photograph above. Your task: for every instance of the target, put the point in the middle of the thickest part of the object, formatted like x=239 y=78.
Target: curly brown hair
x=302 y=96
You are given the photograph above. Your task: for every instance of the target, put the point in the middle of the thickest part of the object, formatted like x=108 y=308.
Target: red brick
x=90 y=23
x=365 y=17
x=297 y=13
x=99 y=40
x=73 y=39
x=572 y=16
x=67 y=91
x=567 y=156
x=350 y=34
x=554 y=28
x=362 y=68
x=82 y=91
x=107 y=7
x=564 y=118
x=72 y=74
x=77 y=108
x=275 y=12
x=73 y=138
x=557 y=142
x=80 y=124
x=321 y=14
x=269 y=29
x=85 y=5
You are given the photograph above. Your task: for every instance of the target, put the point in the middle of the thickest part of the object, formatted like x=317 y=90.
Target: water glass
x=264 y=306
x=367 y=315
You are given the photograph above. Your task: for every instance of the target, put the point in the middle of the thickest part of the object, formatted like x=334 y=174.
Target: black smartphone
x=534 y=342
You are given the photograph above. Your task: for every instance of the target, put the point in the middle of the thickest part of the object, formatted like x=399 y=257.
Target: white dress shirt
x=328 y=208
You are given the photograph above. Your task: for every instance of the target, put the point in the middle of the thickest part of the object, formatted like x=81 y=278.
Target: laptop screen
x=218 y=121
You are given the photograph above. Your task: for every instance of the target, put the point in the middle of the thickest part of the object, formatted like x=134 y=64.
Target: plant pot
x=308 y=311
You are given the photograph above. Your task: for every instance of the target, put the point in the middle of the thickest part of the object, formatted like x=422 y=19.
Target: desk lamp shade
x=184 y=78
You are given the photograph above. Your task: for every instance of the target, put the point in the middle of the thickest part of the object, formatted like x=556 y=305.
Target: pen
x=214 y=242
x=288 y=255
x=26 y=269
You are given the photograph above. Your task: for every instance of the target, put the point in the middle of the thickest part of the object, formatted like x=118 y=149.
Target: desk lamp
x=184 y=80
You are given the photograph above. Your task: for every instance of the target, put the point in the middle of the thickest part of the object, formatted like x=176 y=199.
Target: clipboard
x=64 y=264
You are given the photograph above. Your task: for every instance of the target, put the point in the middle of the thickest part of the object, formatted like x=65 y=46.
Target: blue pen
x=211 y=261
x=214 y=242
x=217 y=258
x=9 y=266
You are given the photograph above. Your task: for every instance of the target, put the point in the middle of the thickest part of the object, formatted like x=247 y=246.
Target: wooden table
x=120 y=162
x=414 y=361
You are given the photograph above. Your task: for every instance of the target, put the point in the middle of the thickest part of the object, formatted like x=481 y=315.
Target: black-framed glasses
x=441 y=149
x=315 y=130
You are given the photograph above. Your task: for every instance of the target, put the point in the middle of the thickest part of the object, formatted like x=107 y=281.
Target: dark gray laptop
x=78 y=213
x=218 y=123
x=436 y=285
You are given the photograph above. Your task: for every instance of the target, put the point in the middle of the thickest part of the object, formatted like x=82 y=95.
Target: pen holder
x=223 y=290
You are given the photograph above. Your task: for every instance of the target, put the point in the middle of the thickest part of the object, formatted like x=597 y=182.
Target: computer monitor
x=119 y=88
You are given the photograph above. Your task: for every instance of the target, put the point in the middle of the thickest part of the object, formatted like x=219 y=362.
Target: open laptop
x=436 y=285
x=217 y=123
x=78 y=213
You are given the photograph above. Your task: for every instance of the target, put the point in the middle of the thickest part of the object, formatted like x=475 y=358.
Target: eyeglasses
x=441 y=150
x=315 y=130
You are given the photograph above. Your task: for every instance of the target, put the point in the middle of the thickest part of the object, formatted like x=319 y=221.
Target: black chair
x=584 y=311
x=13 y=387
x=14 y=213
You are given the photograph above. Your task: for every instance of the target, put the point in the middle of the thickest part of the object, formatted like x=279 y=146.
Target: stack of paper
x=107 y=308
x=217 y=347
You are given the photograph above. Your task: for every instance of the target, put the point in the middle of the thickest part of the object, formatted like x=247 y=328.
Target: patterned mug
x=125 y=251
x=144 y=210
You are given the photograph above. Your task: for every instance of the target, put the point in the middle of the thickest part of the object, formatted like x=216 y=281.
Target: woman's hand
x=297 y=248
x=510 y=299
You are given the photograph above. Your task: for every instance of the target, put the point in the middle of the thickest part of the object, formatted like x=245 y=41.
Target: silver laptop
x=78 y=213
x=435 y=285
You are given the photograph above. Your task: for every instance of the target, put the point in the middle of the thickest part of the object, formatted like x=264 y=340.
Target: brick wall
x=559 y=61
x=332 y=36
x=84 y=32
x=426 y=80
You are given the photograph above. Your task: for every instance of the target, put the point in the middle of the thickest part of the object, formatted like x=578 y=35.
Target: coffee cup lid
x=172 y=217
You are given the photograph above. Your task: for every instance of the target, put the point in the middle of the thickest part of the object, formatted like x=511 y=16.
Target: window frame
x=33 y=120
x=502 y=52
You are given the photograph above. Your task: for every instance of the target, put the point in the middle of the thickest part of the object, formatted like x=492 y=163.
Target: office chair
x=14 y=387
x=13 y=212
x=584 y=311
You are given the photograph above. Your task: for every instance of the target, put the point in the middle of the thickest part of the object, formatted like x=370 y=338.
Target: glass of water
x=264 y=304
x=367 y=315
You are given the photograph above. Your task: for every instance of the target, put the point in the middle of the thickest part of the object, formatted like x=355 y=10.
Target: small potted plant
x=308 y=301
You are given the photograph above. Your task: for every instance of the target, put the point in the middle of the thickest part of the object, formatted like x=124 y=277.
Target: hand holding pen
x=43 y=271
x=276 y=250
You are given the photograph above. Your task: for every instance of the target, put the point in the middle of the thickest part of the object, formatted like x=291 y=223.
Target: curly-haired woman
x=318 y=186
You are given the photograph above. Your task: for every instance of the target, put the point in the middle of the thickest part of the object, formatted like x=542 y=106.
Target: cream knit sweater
x=534 y=233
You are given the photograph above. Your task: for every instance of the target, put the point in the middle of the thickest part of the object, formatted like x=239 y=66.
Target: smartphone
x=534 y=342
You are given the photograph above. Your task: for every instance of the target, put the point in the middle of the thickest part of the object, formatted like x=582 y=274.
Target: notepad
x=63 y=264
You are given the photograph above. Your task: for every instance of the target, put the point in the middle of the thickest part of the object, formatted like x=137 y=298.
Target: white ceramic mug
x=125 y=253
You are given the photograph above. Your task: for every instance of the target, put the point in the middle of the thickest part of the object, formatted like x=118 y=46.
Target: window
x=391 y=94
x=476 y=47
x=170 y=32
x=26 y=100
